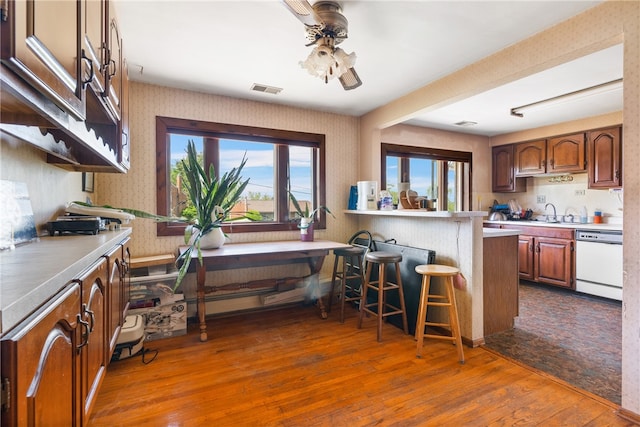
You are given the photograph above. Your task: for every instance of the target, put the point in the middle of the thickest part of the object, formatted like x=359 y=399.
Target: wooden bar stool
x=435 y=300
x=351 y=276
x=382 y=286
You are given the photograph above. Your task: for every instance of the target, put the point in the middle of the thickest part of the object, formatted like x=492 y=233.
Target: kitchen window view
x=278 y=162
x=440 y=176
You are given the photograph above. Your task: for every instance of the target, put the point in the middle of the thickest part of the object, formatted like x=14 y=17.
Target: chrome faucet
x=554 y=218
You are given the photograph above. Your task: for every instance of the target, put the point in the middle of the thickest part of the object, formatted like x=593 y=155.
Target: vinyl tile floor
x=574 y=337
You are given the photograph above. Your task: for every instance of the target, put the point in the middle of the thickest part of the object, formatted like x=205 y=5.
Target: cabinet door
x=566 y=154
x=605 y=158
x=530 y=158
x=113 y=69
x=39 y=359
x=94 y=44
x=94 y=312
x=503 y=179
x=554 y=261
x=40 y=43
x=115 y=317
x=125 y=142
x=525 y=257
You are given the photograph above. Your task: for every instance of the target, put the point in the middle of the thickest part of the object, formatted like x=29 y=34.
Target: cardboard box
x=164 y=312
x=165 y=321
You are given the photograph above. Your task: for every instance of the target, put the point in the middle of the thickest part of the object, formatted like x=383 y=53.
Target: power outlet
x=580 y=192
x=541 y=199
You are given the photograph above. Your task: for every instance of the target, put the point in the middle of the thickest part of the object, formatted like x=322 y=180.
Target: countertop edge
x=23 y=288
x=419 y=213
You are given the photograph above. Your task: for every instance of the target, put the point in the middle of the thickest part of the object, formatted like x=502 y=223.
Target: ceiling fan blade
x=350 y=79
x=303 y=10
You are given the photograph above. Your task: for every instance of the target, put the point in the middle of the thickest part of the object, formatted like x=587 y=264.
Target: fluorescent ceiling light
x=611 y=86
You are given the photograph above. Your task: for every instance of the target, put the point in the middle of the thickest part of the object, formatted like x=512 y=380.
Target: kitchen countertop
x=573 y=225
x=34 y=272
x=499 y=232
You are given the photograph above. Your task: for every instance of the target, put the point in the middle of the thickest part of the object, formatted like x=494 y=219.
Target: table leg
x=202 y=274
x=315 y=265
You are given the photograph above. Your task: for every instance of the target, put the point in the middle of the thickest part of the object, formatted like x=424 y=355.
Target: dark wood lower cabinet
x=40 y=367
x=54 y=361
x=545 y=254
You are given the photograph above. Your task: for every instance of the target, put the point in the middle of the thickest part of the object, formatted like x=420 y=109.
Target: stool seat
x=352 y=251
x=429 y=299
x=437 y=270
x=382 y=308
x=383 y=257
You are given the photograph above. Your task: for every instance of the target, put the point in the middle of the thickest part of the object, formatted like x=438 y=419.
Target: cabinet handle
x=617 y=174
x=92 y=74
x=531 y=247
x=538 y=248
x=92 y=317
x=112 y=73
x=85 y=335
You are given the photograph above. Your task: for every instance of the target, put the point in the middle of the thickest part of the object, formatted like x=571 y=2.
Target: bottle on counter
x=583 y=215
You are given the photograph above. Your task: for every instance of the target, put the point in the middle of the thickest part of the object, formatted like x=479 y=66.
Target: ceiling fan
x=326 y=28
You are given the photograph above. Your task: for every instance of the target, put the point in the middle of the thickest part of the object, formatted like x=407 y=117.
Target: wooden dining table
x=257 y=254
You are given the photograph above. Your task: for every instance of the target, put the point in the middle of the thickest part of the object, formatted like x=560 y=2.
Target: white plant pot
x=213 y=239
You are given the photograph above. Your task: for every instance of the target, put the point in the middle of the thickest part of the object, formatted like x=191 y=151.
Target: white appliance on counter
x=367 y=195
x=599 y=263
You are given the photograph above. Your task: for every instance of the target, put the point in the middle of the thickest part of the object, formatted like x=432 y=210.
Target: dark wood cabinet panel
x=45 y=50
x=39 y=361
x=546 y=254
x=530 y=158
x=604 y=148
x=94 y=353
x=500 y=283
x=553 y=261
x=503 y=177
x=525 y=257
x=566 y=154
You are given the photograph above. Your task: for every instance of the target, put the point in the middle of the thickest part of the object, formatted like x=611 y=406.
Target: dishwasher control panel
x=600 y=236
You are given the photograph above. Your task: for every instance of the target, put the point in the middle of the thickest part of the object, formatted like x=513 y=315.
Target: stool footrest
x=440 y=337
x=439 y=304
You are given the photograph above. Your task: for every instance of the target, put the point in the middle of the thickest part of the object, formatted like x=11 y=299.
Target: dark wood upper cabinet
x=41 y=45
x=604 y=149
x=566 y=154
x=62 y=84
x=530 y=158
x=503 y=177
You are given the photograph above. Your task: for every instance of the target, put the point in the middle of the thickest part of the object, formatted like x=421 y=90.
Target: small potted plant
x=306 y=217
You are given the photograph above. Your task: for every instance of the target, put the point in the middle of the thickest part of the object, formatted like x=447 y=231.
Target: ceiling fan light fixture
x=327 y=62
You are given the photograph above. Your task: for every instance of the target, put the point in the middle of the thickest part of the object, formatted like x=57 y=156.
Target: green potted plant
x=211 y=198
x=306 y=217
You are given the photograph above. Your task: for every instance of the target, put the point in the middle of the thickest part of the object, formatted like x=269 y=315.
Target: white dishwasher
x=599 y=263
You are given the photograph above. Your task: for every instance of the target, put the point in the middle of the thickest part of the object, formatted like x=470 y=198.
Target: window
x=276 y=161
x=440 y=175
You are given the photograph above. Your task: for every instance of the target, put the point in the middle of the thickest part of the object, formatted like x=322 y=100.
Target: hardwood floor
x=290 y=368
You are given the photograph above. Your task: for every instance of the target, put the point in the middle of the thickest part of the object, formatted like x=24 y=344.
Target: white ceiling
x=224 y=47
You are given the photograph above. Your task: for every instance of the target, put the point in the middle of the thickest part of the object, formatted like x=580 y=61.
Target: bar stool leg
x=363 y=297
x=422 y=313
x=401 y=297
x=453 y=317
x=382 y=280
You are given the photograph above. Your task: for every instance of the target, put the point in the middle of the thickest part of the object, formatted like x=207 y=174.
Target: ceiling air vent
x=466 y=123
x=266 y=89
